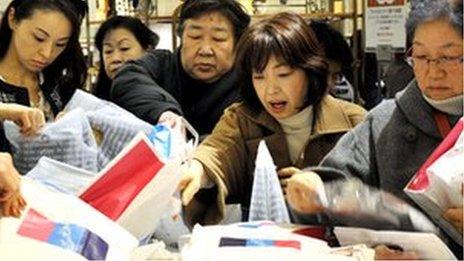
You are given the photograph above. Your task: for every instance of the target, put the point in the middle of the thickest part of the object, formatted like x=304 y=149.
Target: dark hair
x=334 y=45
x=231 y=9
x=287 y=36
x=145 y=37
x=68 y=71
x=428 y=10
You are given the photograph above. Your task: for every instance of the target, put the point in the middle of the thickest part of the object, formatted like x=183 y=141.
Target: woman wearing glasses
x=388 y=148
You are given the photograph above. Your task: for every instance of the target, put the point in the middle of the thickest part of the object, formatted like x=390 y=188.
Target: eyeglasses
x=421 y=62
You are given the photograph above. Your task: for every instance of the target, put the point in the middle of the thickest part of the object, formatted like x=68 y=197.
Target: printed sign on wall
x=385 y=24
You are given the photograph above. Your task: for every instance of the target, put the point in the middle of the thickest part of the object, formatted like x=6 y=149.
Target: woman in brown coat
x=284 y=82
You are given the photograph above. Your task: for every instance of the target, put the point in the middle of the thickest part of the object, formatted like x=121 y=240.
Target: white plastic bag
x=68 y=140
x=56 y=226
x=61 y=177
x=135 y=188
x=437 y=184
x=173 y=145
x=267 y=200
x=447 y=176
x=353 y=203
x=113 y=126
x=262 y=240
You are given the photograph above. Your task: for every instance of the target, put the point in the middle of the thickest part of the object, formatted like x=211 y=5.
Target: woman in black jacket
x=197 y=80
x=118 y=40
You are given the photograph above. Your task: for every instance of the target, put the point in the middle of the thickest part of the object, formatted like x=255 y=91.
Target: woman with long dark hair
x=41 y=60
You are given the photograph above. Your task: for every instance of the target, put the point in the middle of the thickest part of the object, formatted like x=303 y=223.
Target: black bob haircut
x=144 y=36
x=286 y=36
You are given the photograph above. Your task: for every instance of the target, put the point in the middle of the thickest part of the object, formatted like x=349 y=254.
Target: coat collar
x=418 y=112
x=330 y=118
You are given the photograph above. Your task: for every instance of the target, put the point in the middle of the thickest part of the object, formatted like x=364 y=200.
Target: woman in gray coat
x=388 y=148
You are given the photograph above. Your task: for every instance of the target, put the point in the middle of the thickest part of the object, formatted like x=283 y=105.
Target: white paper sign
x=385 y=24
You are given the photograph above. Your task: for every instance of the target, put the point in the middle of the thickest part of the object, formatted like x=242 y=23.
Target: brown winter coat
x=228 y=154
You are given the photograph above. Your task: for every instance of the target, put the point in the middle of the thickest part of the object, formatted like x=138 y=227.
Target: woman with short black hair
x=118 y=40
x=283 y=81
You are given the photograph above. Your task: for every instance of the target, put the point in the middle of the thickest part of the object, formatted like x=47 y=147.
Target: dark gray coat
x=388 y=148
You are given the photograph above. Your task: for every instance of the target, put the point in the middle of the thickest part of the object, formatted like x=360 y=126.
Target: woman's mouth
x=278 y=106
x=205 y=67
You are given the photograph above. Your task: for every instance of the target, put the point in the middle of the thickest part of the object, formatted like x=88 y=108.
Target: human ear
x=12 y=23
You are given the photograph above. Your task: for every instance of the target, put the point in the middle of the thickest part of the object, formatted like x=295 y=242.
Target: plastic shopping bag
x=438 y=183
x=135 y=188
x=262 y=240
x=172 y=144
x=353 y=203
x=68 y=140
x=267 y=200
x=61 y=177
x=112 y=126
x=57 y=226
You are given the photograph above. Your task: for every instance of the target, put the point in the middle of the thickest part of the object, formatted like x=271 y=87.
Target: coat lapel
x=331 y=118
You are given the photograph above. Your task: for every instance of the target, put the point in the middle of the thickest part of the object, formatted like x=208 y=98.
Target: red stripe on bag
x=421 y=180
x=115 y=190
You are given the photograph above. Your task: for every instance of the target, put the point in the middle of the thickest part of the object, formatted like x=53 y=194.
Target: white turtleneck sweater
x=453 y=105
x=297 y=129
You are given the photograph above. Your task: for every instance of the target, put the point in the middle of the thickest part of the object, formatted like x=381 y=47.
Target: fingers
x=183 y=183
x=454 y=216
x=295 y=197
x=190 y=191
x=169 y=118
x=5 y=194
x=283 y=185
x=382 y=252
x=30 y=120
x=287 y=172
x=9 y=177
x=22 y=202
x=60 y=115
x=189 y=185
x=302 y=193
x=14 y=206
x=284 y=174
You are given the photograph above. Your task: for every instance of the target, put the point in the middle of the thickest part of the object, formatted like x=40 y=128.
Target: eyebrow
x=123 y=39
x=215 y=28
x=282 y=64
x=48 y=35
x=447 y=45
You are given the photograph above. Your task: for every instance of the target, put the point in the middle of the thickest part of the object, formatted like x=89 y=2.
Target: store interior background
x=159 y=17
